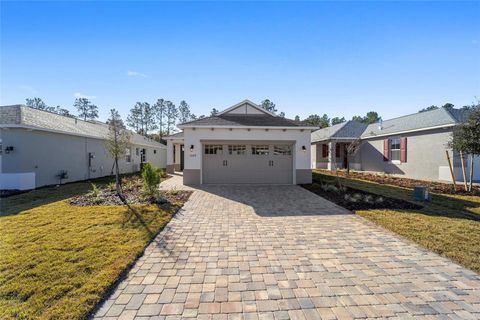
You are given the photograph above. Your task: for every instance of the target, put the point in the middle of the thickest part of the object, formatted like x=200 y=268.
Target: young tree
x=161 y=110
x=268 y=105
x=171 y=116
x=117 y=143
x=337 y=120
x=316 y=120
x=184 y=112
x=466 y=138
x=86 y=109
x=214 y=112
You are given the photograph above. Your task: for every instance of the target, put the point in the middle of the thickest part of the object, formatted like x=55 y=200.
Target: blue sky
x=339 y=58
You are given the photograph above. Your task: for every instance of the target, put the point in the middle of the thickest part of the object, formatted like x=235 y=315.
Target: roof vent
x=380 y=124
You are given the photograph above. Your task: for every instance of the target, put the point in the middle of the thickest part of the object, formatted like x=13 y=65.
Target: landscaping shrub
x=151 y=178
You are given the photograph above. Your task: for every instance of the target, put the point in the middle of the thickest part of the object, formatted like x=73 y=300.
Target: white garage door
x=230 y=163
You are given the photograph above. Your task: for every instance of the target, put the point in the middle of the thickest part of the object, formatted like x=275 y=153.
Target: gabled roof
x=233 y=117
x=348 y=130
x=437 y=118
x=420 y=121
x=248 y=103
x=21 y=116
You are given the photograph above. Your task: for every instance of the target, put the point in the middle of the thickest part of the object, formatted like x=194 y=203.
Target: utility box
x=421 y=193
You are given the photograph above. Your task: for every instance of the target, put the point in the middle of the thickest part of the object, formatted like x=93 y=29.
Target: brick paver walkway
x=259 y=252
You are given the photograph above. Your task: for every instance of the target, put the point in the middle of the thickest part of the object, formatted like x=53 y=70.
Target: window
x=261 y=150
x=237 y=149
x=136 y=152
x=154 y=151
x=128 y=155
x=144 y=155
x=395 y=149
x=282 y=150
x=213 y=149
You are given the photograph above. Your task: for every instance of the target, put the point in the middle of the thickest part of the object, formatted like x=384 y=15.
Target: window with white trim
x=282 y=150
x=260 y=150
x=395 y=149
x=144 y=155
x=128 y=155
x=213 y=149
x=237 y=149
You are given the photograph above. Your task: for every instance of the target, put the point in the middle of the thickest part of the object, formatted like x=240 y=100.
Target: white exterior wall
x=193 y=160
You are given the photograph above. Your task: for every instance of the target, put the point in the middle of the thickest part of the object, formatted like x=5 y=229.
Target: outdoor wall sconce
x=304 y=149
x=192 y=147
x=8 y=149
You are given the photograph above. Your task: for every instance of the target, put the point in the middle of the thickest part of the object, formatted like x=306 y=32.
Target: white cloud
x=136 y=74
x=29 y=89
x=81 y=95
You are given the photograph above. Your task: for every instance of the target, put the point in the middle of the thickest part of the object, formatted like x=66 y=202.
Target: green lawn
x=448 y=225
x=58 y=260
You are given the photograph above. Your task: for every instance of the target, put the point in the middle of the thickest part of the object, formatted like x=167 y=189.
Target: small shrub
x=368 y=198
x=379 y=200
x=95 y=191
x=173 y=191
x=151 y=178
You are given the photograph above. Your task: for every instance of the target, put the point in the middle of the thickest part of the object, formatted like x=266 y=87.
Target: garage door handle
x=225 y=163
x=270 y=163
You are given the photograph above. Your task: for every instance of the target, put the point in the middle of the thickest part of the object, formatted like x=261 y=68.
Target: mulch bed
x=437 y=187
x=134 y=194
x=354 y=199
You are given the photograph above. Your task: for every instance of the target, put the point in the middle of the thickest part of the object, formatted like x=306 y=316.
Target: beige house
x=40 y=148
x=244 y=144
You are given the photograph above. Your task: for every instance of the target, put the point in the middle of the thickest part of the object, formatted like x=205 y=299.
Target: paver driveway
x=282 y=252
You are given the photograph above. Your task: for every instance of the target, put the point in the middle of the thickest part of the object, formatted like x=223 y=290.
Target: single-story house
x=244 y=144
x=412 y=146
x=40 y=148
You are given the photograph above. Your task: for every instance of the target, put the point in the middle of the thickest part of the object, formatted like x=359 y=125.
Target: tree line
x=85 y=108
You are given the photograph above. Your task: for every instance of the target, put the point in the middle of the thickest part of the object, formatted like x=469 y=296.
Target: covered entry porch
x=175 y=152
x=336 y=154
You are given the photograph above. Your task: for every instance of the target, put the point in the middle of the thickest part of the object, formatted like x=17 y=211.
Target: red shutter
x=403 y=149
x=386 y=149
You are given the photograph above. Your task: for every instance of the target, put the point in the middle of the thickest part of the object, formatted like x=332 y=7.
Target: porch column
x=332 y=157
x=170 y=164
x=178 y=150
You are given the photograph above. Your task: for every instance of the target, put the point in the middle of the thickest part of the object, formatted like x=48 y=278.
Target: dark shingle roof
x=345 y=130
x=248 y=120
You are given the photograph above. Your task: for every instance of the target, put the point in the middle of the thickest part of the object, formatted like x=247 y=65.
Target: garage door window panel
x=282 y=150
x=260 y=150
x=213 y=149
x=237 y=150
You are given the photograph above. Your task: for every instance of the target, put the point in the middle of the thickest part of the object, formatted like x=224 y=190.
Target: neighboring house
x=412 y=146
x=37 y=146
x=242 y=144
